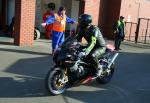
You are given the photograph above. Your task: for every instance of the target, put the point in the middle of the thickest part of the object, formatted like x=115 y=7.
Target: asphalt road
x=23 y=70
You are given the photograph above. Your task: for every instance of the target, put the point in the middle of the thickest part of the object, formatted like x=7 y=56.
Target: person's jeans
x=57 y=39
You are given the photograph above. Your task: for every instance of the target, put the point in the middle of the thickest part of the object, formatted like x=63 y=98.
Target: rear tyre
x=106 y=76
x=53 y=85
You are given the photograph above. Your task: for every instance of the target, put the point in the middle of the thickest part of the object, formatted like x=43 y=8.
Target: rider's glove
x=82 y=54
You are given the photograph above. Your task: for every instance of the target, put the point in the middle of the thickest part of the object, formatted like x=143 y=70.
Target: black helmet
x=85 y=20
x=51 y=6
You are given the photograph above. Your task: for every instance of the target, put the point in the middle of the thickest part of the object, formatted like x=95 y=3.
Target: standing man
x=119 y=31
x=49 y=12
x=59 y=21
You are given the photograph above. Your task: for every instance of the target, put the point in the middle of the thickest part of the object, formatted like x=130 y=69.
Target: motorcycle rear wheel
x=106 y=77
x=53 y=85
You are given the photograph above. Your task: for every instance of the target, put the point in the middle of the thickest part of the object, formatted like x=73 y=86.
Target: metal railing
x=130 y=33
x=140 y=32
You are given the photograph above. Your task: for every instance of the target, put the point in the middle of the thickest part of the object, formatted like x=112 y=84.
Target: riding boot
x=99 y=70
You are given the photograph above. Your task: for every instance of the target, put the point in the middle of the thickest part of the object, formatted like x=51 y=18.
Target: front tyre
x=53 y=83
x=106 y=75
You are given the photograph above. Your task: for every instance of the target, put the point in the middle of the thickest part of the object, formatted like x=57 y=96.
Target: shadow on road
x=130 y=83
x=6 y=43
x=23 y=51
x=25 y=78
x=21 y=86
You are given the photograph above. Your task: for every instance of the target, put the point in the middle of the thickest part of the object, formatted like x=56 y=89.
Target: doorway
x=7 y=12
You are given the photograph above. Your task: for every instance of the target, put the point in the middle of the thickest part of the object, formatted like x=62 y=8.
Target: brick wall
x=103 y=16
x=109 y=13
x=24 y=22
x=104 y=13
x=113 y=15
x=92 y=8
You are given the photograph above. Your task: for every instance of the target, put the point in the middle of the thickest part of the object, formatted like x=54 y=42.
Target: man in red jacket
x=49 y=12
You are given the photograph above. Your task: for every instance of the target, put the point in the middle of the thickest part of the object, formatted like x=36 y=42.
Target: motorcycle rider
x=93 y=36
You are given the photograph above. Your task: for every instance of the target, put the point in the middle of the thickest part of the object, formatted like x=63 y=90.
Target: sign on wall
x=129 y=18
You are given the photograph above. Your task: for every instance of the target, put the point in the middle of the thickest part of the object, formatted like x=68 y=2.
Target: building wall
x=110 y=10
x=74 y=13
x=144 y=9
x=132 y=10
x=129 y=9
x=38 y=14
x=103 y=13
x=92 y=8
x=109 y=13
x=113 y=15
x=24 y=22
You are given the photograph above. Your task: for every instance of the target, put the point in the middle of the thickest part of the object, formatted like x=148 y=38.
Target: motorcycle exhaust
x=112 y=60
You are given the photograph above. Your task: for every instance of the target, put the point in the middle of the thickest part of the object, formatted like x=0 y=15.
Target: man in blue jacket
x=59 y=21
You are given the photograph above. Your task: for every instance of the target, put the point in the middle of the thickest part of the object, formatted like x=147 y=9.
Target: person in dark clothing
x=10 y=30
x=96 y=43
x=119 y=31
x=12 y=24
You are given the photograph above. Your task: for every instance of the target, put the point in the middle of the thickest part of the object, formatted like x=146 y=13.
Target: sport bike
x=71 y=70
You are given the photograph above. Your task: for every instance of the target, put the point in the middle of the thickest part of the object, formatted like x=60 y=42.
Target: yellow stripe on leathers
x=84 y=41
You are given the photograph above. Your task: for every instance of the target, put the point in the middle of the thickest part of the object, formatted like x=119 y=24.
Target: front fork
x=64 y=76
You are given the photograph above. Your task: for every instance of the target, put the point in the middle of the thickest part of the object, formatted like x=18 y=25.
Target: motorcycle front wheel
x=53 y=83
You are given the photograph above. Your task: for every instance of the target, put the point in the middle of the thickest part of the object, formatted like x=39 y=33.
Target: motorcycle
x=70 y=69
